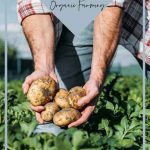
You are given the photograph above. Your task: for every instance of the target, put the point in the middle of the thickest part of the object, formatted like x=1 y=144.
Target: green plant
x=115 y=124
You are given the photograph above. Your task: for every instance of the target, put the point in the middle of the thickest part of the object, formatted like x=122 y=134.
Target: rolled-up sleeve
x=26 y=8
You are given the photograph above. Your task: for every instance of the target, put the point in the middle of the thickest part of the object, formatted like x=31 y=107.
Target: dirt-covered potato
x=66 y=116
x=42 y=91
x=50 y=109
x=74 y=95
x=61 y=98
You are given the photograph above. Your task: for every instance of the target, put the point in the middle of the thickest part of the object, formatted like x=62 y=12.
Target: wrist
x=98 y=76
x=98 y=81
x=47 y=70
x=45 y=63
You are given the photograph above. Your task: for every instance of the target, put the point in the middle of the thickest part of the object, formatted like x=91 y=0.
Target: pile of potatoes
x=60 y=105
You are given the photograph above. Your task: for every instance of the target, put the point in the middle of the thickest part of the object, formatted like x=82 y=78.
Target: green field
x=115 y=124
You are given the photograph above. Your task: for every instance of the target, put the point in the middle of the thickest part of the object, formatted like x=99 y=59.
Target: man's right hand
x=28 y=81
x=40 y=34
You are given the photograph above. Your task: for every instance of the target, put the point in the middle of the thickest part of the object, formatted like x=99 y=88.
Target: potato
x=66 y=116
x=42 y=91
x=50 y=109
x=61 y=98
x=74 y=95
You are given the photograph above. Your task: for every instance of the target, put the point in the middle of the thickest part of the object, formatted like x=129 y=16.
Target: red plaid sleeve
x=29 y=7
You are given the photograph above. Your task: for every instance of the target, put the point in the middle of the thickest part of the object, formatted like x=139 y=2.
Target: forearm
x=106 y=34
x=39 y=32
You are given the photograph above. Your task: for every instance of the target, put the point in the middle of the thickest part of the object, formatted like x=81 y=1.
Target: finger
x=86 y=99
x=25 y=88
x=77 y=123
x=27 y=84
x=55 y=78
x=85 y=115
x=38 y=118
x=28 y=80
x=57 y=83
x=37 y=108
x=53 y=75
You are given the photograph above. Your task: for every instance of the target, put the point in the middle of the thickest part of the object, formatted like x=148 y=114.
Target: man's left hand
x=92 y=88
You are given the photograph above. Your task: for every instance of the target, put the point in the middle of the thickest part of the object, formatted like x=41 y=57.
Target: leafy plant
x=115 y=124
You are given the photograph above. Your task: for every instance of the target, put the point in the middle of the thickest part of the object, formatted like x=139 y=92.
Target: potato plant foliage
x=115 y=124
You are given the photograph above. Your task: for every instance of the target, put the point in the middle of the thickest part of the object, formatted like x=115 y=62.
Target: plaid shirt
x=132 y=22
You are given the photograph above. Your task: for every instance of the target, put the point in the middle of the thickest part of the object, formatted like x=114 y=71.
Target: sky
x=15 y=34
x=16 y=37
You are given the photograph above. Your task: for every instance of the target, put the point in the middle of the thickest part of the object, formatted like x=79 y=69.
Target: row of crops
x=115 y=124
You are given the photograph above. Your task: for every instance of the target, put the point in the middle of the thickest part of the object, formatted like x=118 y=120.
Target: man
x=79 y=60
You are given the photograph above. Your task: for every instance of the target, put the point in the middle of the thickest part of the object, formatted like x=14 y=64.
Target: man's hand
x=107 y=27
x=34 y=76
x=28 y=81
x=39 y=32
x=92 y=88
